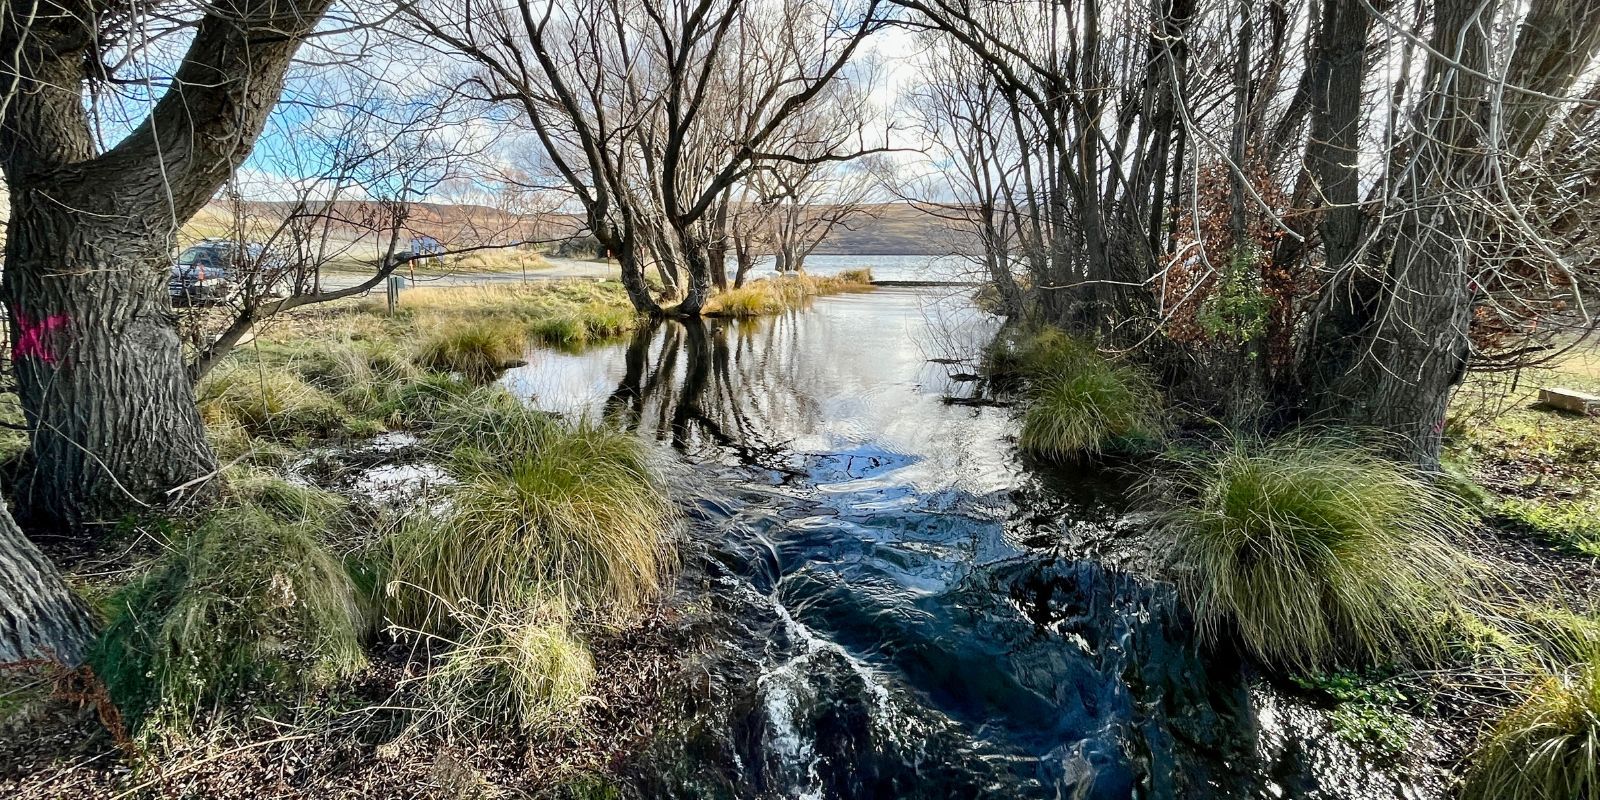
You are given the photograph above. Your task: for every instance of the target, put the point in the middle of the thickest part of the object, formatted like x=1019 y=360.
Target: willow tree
x=98 y=364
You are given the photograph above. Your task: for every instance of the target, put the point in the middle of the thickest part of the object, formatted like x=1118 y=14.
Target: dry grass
x=519 y=668
x=776 y=295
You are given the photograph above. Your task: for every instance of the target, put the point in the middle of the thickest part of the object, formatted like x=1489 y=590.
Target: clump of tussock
x=756 y=299
x=1317 y=552
x=288 y=500
x=518 y=668
x=360 y=375
x=1548 y=746
x=1097 y=405
x=267 y=399
x=1077 y=402
x=247 y=606
x=543 y=507
x=587 y=323
x=1036 y=353
x=858 y=275
x=478 y=350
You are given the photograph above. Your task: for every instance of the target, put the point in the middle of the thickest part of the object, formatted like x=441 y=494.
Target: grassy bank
x=512 y=618
x=1447 y=621
x=508 y=610
x=1541 y=467
x=780 y=294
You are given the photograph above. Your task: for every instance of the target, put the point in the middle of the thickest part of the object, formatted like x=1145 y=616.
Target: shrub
x=518 y=668
x=478 y=350
x=267 y=399
x=1093 y=406
x=1548 y=747
x=246 y=606
x=1316 y=552
x=543 y=507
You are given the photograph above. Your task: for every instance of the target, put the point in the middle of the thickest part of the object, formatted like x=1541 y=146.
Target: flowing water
x=895 y=605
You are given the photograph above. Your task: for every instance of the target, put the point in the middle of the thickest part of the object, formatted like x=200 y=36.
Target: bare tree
x=1336 y=208
x=653 y=112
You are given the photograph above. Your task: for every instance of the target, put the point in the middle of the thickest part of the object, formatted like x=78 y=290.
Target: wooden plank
x=1570 y=400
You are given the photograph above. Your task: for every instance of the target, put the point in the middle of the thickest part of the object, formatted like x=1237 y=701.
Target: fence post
x=392 y=291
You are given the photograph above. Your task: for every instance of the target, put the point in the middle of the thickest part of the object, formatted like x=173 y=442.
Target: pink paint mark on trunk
x=33 y=339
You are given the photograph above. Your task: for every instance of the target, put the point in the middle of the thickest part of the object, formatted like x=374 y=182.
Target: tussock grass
x=1548 y=747
x=756 y=299
x=518 y=668
x=419 y=401
x=544 y=507
x=568 y=314
x=1095 y=406
x=1077 y=402
x=478 y=350
x=1036 y=353
x=1317 y=552
x=245 y=607
x=287 y=500
x=591 y=322
x=267 y=399
x=860 y=275
x=360 y=375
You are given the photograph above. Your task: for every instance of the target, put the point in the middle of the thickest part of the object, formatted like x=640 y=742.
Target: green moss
x=1572 y=524
x=1367 y=711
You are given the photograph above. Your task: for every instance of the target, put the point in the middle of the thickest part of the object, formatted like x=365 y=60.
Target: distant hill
x=895 y=229
x=885 y=229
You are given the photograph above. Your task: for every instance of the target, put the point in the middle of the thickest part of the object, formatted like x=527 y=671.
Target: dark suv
x=211 y=271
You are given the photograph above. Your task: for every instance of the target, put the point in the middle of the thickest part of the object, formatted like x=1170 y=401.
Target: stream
x=896 y=605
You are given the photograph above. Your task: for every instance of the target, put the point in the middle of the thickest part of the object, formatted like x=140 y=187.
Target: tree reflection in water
x=733 y=385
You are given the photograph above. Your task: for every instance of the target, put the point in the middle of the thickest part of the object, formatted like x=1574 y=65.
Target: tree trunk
x=39 y=616
x=99 y=367
x=97 y=357
x=1417 y=347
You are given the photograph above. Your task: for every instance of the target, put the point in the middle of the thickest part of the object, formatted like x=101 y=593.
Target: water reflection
x=679 y=385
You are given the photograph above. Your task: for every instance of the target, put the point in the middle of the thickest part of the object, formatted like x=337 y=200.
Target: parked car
x=214 y=269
